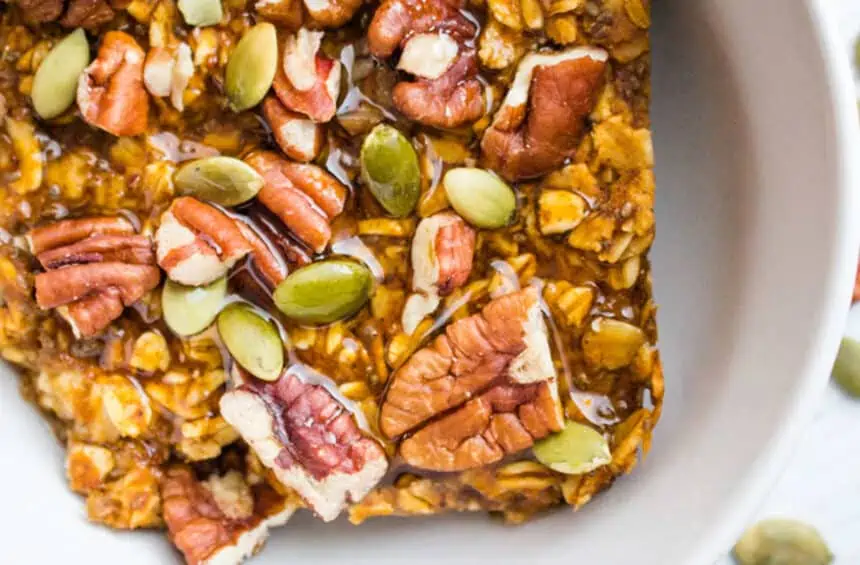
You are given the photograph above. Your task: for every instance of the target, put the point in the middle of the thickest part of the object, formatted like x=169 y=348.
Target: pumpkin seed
x=56 y=81
x=782 y=542
x=223 y=180
x=857 y=53
x=482 y=198
x=846 y=370
x=324 y=292
x=252 y=341
x=389 y=168
x=201 y=12
x=189 y=310
x=251 y=67
x=574 y=450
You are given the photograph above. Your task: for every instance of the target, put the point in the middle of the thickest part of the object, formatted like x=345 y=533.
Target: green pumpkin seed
x=56 y=80
x=252 y=341
x=782 y=542
x=324 y=292
x=201 y=12
x=389 y=168
x=251 y=67
x=482 y=198
x=189 y=310
x=574 y=450
x=857 y=53
x=846 y=370
x=223 y=180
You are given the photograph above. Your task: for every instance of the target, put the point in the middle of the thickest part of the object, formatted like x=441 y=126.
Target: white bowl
x=753 y=261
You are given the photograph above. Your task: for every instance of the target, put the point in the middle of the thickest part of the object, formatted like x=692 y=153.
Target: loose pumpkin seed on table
x=271 y=256
x=846 y=369
x=779 y=541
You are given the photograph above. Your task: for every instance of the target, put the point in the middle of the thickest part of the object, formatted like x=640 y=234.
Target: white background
x=821 y=483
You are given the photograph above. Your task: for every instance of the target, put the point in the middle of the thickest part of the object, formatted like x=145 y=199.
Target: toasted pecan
x=298 y=136
x=57 y=234
x=303 y=196
x=504 y=420
x=196 y=243
x=132 y=249
x=308 y=82
x=269 y=265
x=95 y=267
x=541 y=120
x=321 y=452
x=88 y=14
x=471 y=355
x=433 y=36
x=111 y=94
x=220 y=520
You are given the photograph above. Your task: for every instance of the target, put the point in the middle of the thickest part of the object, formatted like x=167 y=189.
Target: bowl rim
x=808 y=394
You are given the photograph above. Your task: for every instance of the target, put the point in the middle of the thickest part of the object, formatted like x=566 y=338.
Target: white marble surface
x=821 y=483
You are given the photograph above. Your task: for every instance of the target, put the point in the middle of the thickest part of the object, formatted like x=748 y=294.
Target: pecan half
x=132 y=249
x=308 y=82
x=442 y=253
x=110 y=94
x=270 y=265
x=540 y=122
x=268 y=224
x=308 y=439
x=505 y=344
x=73 y=282
x=40 y=11
x=95 y=267
x=196 y=243
x=221 y=520
x=435 y=38
x=88 y=14
x=69 y=231
x=298 y=136
x=505 y=420
x=305 y=197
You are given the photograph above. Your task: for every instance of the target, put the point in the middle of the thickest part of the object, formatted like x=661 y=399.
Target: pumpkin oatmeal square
x=350 y=258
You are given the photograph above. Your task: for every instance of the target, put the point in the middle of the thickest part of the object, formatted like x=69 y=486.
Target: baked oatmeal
x=355 y=258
